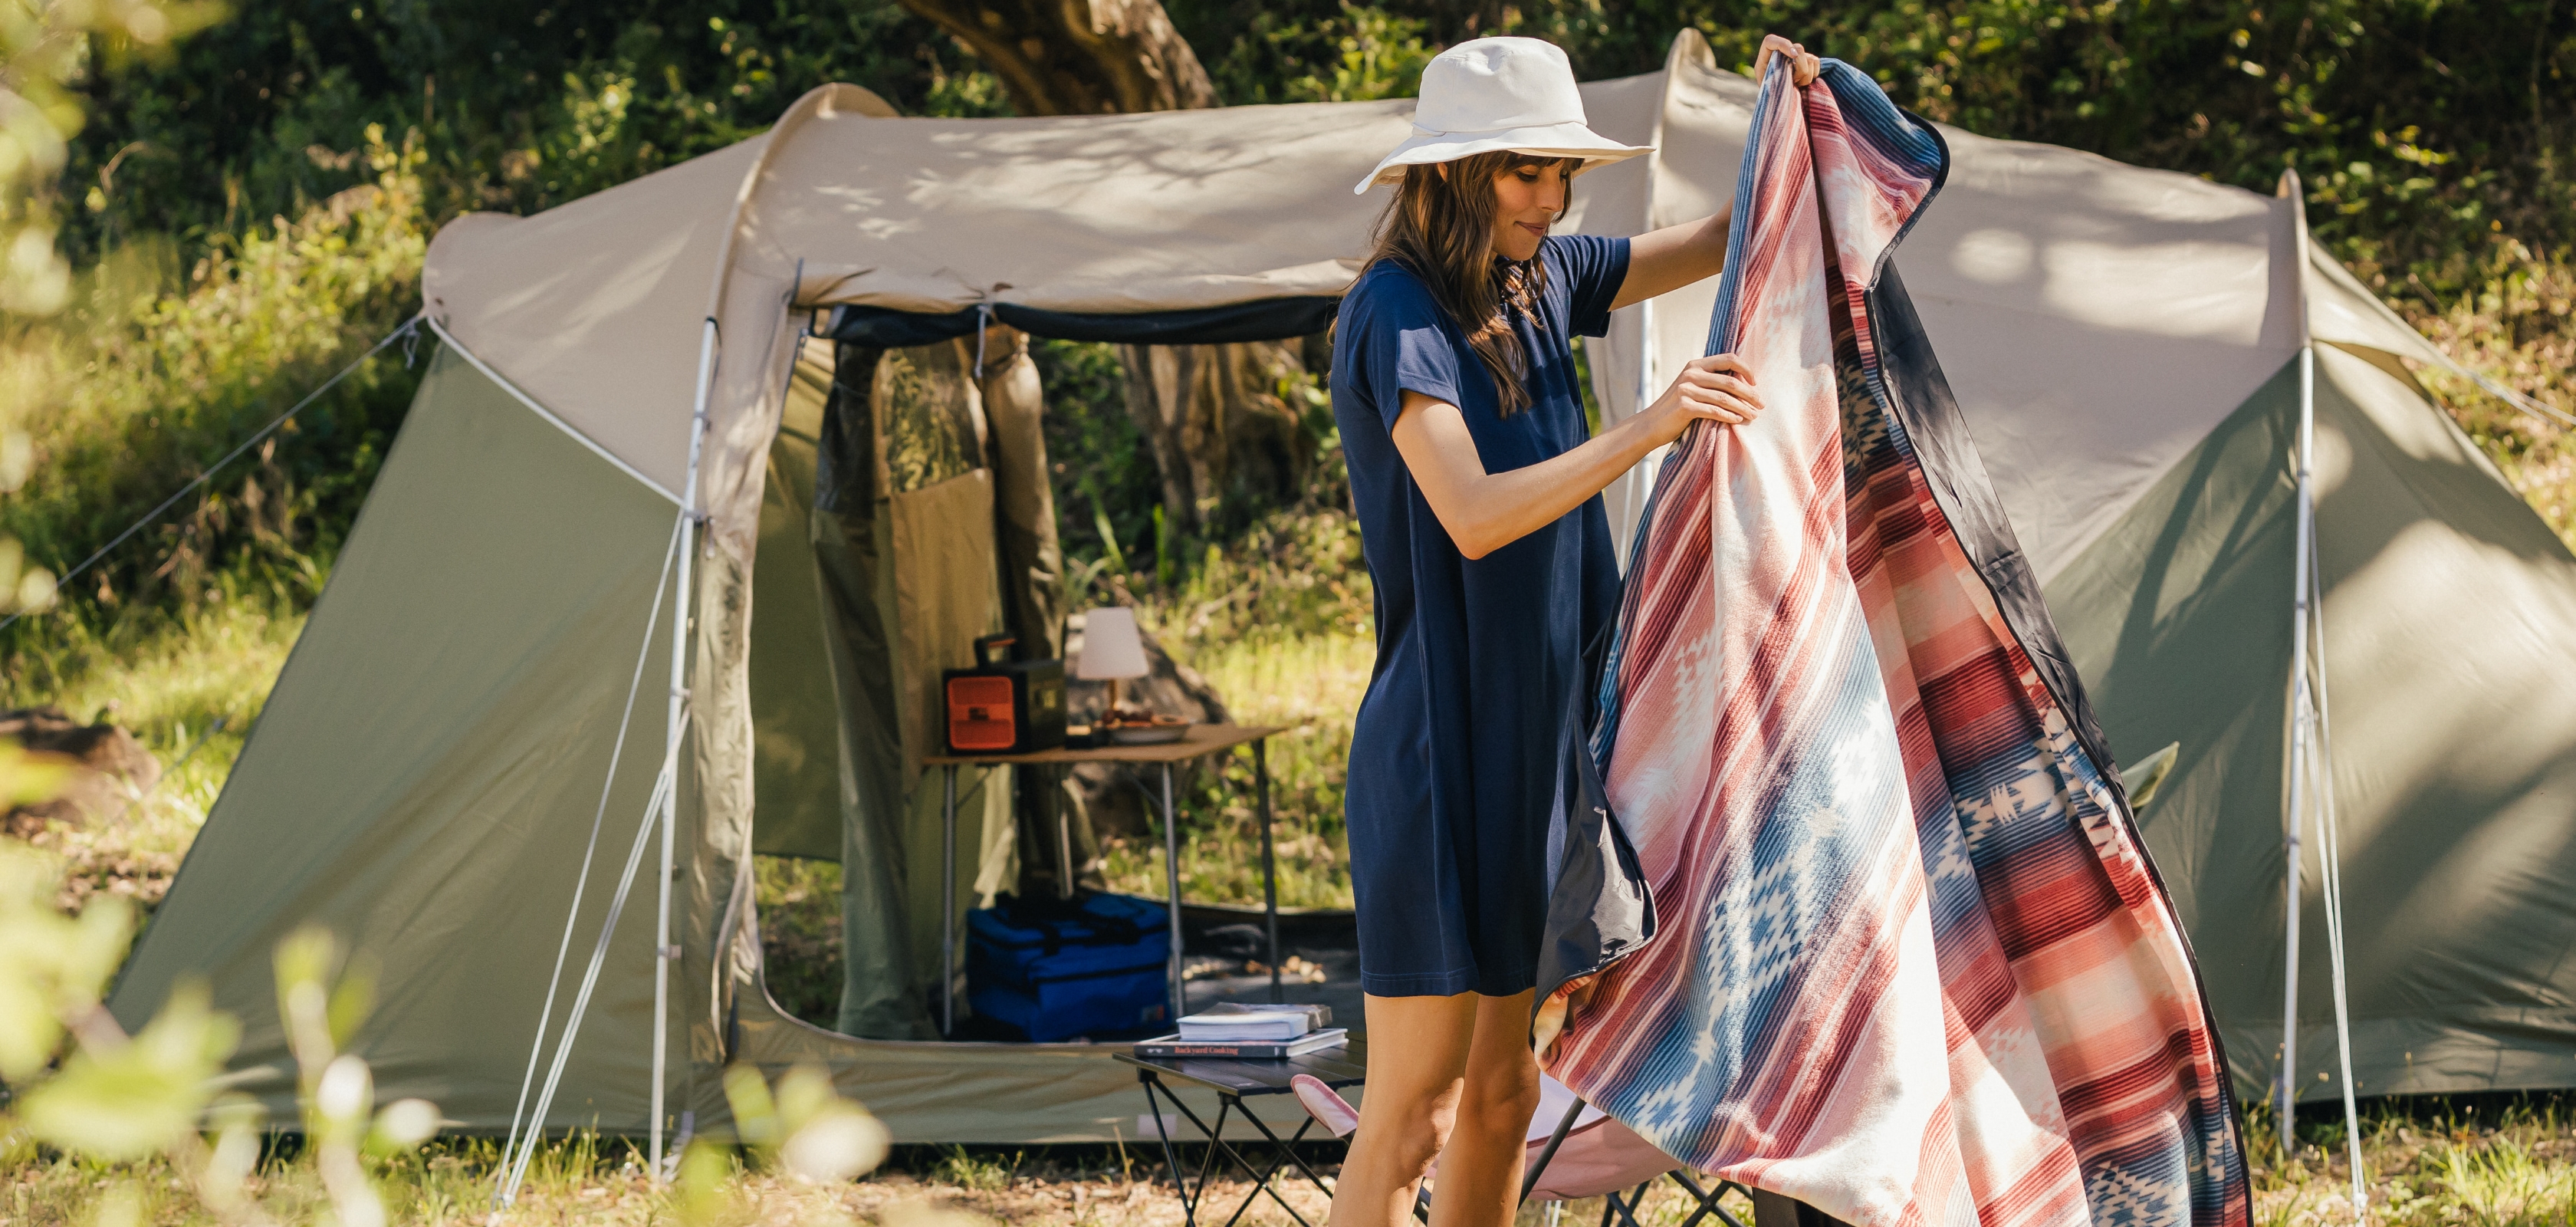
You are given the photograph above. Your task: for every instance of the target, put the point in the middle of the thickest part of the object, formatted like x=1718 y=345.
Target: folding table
x=1197 y=740
x=1236 y=1083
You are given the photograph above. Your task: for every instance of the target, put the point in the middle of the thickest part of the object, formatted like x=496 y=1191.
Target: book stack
x=1250 y=1033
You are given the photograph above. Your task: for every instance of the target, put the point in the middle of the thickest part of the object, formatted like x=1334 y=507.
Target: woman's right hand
x=1717 y=388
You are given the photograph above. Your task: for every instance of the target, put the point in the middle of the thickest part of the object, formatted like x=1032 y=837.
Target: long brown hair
x=1442 y=228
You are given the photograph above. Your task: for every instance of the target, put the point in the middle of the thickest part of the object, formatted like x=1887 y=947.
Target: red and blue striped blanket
x=1911 y=963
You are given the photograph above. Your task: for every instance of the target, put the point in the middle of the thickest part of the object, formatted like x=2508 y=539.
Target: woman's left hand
x=1802 y=66
x=1661 y=261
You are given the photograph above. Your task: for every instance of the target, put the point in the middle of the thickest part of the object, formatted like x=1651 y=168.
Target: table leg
x=948 y=901
x=1171 y=1155
x=1269 y=864
x=1172 y=883
x=1285 y=1152
x=1063 y=837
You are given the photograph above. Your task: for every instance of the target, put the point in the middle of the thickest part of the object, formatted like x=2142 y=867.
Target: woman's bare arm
x=1484 y=512
x=1661 y=261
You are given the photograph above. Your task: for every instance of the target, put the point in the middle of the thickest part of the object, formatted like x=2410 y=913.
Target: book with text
x=1168 y=1046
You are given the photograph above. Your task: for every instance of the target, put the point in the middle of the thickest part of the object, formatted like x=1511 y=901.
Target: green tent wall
x=2450 y=619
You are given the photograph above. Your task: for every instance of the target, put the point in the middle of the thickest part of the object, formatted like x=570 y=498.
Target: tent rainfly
x=625 y=593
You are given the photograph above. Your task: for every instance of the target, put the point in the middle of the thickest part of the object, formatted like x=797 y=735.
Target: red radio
x=1005 y=706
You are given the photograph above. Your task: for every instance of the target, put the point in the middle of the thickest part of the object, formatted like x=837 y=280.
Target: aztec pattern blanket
x=1914 y=966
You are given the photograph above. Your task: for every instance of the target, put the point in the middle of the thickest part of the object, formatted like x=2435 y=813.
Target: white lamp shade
x=1110 y=646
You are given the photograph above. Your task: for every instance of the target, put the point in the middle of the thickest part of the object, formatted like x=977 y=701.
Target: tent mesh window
x=930 y=415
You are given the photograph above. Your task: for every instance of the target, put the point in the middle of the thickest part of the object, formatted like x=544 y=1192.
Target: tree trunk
x=1078 y=57
x=1218 y=428
x=1211 y=414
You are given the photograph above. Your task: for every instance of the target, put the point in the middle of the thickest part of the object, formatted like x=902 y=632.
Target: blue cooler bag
x=1057 y=969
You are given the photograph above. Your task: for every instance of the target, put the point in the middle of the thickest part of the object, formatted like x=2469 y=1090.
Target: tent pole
x=2285 y=1112
x=517 y=1169
x=681 y=595
x=2290 y=820
x=2330 y=861
x=554 y=982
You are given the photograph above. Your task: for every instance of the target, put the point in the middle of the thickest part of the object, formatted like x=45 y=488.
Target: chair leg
x=1707 y=1198
x=1627 y=1212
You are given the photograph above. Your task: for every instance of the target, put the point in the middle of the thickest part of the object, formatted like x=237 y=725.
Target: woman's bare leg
x=1417 y=1059
x=1449 y=1078
x=1480 y=1167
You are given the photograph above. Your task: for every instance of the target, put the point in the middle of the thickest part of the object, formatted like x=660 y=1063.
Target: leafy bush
x=153 y=376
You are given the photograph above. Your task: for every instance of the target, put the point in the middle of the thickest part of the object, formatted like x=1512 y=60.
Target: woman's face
x=1528 y=198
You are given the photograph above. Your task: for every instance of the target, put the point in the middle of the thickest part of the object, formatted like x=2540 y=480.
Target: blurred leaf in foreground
x=127 y=1100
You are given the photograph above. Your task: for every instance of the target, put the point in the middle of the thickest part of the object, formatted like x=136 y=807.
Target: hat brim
x=1568 y=140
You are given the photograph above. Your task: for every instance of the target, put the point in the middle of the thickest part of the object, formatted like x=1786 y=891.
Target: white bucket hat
x=1487 y=94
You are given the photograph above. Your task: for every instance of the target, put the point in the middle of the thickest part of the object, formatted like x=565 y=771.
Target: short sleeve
x=1591 y=267
x=1403 y=345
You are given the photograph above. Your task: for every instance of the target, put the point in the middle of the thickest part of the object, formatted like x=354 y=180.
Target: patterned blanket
x=1913 y=966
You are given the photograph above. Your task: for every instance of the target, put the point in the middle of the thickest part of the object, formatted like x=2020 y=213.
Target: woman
x=1477 y=489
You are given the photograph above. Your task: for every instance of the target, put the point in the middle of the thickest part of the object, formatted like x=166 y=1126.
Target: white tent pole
x=2291 y=821
x=2330 y=858
x=563 y=949
x=2287 y=1082
x=821 y=101
x=663 y=951
x=518 y=1168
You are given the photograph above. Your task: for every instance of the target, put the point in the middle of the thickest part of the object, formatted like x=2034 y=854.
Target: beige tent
x=429 y=771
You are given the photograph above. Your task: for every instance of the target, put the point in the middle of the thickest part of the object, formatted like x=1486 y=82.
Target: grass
x=2432 y=1161
x=189 y=690
x=2481 y=1161
x=800 y=935
x=597 y=1180
x=1313 y=683
x=2516 y=330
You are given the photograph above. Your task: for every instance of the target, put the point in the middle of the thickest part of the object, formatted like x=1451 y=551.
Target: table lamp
x=1111 y=649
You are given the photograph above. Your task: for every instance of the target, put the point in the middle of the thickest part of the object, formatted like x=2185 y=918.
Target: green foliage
x=1358 y=54
x=46 y=50
x=801 y=1129
x=800 y=935
x=1105 y=484
x=151 y=376
x=520 y=105
x=52 y=966
x=87 y=1090
x=969 y=1170
x=1278 y=619
x=123 y=1102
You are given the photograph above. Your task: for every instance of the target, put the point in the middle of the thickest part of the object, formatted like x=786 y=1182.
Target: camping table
x=1199 y=739
x=1235 y=1084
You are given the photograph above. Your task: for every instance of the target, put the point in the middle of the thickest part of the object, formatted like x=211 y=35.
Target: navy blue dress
x=1453 y=757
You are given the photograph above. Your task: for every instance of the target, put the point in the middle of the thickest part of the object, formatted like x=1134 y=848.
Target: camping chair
x=1574 y=1150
